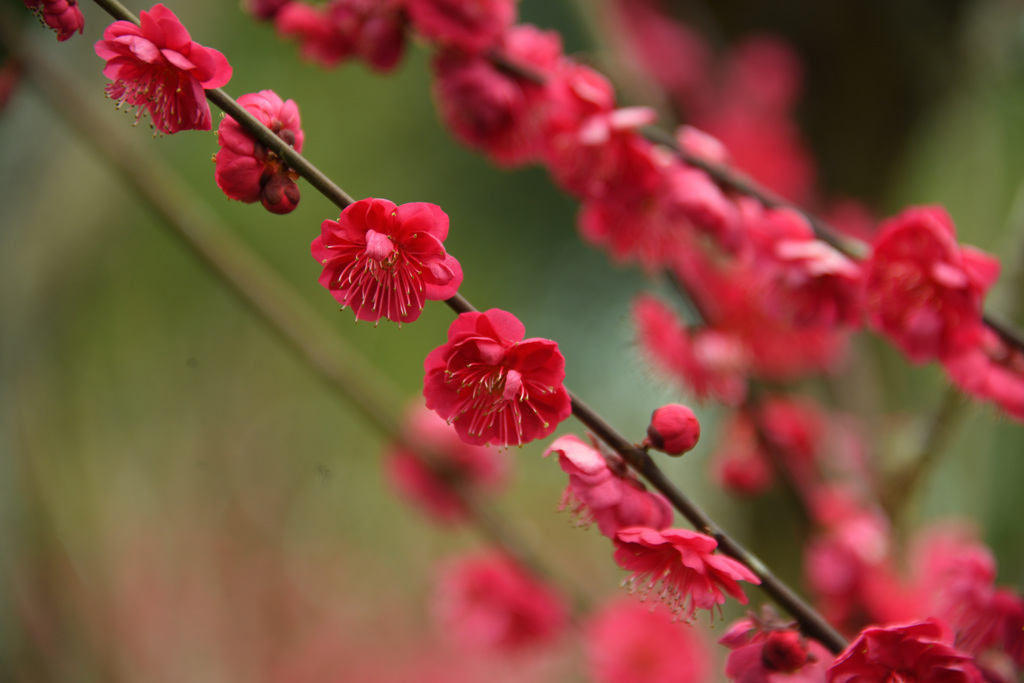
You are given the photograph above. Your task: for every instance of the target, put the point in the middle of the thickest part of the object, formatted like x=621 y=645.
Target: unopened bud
x=280 y=194
x=784 y=651
x=674 y=429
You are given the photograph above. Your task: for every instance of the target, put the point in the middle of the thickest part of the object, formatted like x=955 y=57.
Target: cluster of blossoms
x=775 y=301
x=680 y=565
x=764 y=283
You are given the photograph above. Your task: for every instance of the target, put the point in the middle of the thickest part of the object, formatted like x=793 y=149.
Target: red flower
x=990 y=370
x=956 y=573
x=489 y=108
x=385 y=261
x=490 y=602
x=601 y=489
x=707 y=361
x=63 y=16
x=456 y=463
x=682 y=567
x=373 y=30
x=921 y=651
x=924 y=291
x=807 y=282
x=493 y=385
x=628 y=643
x=674 y=429
x=248 y=171
x=769 y=653
x=470 y=25
x=157 y=67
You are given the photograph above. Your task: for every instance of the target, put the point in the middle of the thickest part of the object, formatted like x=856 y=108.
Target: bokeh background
x=182 y=499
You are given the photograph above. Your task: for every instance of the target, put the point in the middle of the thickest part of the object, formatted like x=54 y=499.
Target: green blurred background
x=167 y=461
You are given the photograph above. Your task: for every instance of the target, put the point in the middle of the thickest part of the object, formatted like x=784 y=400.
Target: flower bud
x=674 y=429
x=784 y=651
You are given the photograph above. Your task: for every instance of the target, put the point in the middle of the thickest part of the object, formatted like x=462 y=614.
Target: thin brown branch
x=243 y=273
x=812 y=623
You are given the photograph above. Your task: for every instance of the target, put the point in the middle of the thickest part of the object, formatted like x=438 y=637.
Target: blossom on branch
x=156 y=67
x=601 y=489
x=919 y=651
x=682 y=567
x=765 y=651
x=63 y=16
x=385 y=260
x=674 y=429
x=494 y=386
x=246 y=169
x=806 y=282
x=491 y=109
x=923 y=290
x=469 y=25
x=372 y=30
x=990 y=370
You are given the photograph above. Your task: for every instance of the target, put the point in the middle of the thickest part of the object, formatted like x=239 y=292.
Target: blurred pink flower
x=919 y=651
x=372 y=30
x=470 y=25
x=628 y=643
x=710 y=363
x=773 y=653
x=491 y=109
x=923 y=291
x=488 y=602
x=455 y=464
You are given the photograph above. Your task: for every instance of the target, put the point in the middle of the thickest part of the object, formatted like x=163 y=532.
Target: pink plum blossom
x=249 y=172
x=157 y=67
x=603 y=490
x=681 y=568
x=385 y=260
x=494 y=386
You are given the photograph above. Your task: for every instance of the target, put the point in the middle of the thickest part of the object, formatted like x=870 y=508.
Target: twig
x=256 y=285
x=812 y=623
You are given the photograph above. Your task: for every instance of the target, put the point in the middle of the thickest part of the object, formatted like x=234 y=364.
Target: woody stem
x=811 y=622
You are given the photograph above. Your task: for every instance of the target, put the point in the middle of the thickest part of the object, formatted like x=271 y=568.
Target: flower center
x=492 y=396
x=379 y=247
